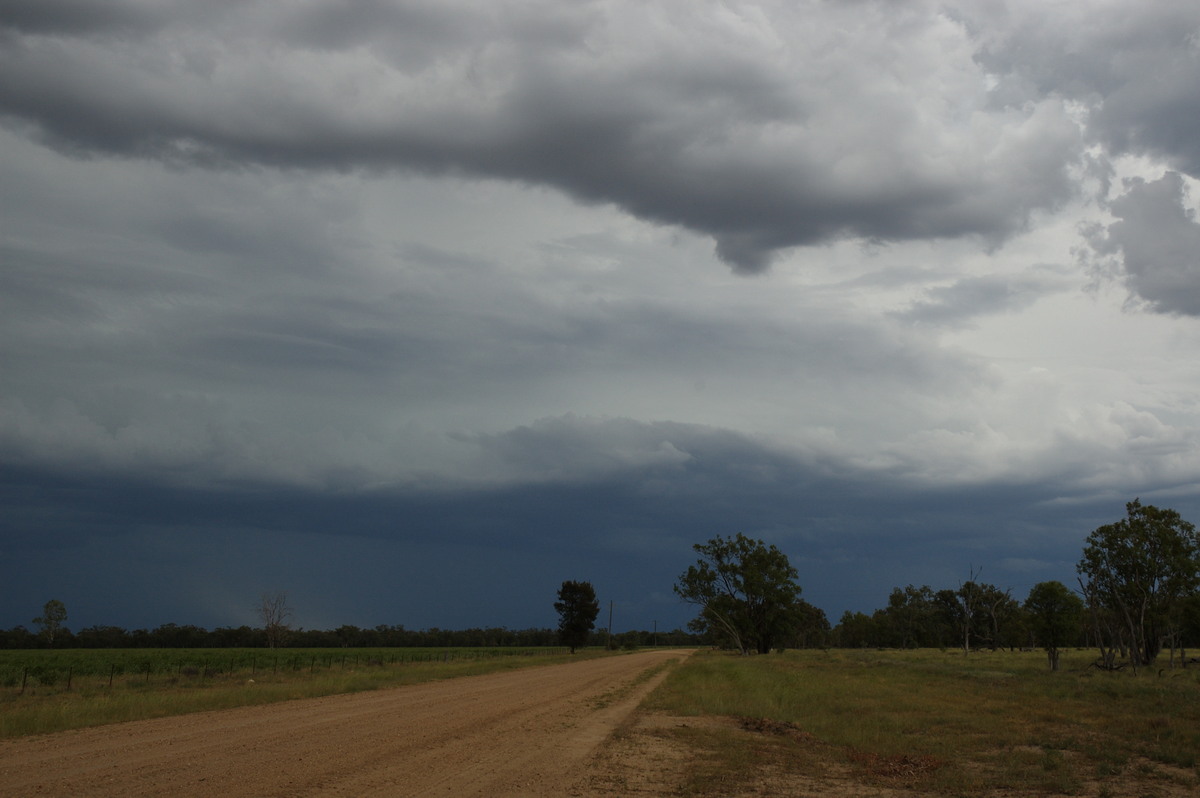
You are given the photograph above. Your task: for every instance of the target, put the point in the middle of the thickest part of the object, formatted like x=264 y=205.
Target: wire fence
x=41 y=671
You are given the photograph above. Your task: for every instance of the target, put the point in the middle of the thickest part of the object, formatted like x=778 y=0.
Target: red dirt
x=529 y=732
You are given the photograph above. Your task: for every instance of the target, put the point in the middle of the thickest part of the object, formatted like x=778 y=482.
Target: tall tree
x=1055 y=617
x=53 y=614
x=911 y=618
x=745 y=590
x=577 y=609
x=1141 y=568
x=275 y=612
x=997 y=611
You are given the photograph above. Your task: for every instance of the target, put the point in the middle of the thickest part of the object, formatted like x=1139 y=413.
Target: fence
x=25 y=671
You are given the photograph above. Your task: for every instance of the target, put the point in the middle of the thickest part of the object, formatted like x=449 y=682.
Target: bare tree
x=965 y=604
x=275 y=612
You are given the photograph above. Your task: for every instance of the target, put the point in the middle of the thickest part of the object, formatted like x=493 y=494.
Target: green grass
x=943 y=723
x=111 y=686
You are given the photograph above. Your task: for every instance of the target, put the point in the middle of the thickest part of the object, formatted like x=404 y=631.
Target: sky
x=415 y=309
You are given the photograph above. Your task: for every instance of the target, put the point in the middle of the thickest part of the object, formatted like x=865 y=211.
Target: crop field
x=44 y=691
x=933 y=722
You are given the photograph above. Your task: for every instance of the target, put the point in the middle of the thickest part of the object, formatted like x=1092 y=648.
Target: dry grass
x=935 y=722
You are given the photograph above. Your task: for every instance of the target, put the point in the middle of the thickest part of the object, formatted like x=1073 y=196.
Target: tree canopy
x=51 y=619
x=1055 y=615
x=746 y=592
x=1139 y=570
x=577 y=609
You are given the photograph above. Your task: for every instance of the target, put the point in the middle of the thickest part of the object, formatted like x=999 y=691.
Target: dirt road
x=521 y=733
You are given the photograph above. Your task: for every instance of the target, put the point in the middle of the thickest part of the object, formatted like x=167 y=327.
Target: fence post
x=111 y=670
x=70 y=673
x=24 y=678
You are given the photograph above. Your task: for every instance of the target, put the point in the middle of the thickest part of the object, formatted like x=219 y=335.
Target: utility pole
x=609 y=646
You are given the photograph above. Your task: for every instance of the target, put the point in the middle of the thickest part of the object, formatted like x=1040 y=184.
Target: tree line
x=187 y=636
x=1138 y=594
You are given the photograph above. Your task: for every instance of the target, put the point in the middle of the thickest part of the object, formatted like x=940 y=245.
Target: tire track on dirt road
x=525 y=732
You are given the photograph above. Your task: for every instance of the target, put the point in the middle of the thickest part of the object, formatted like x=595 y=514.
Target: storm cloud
x=448 y=301
x=744 y=122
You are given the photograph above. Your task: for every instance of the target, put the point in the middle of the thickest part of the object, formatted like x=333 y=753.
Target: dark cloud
x=286 y=303
x=82 y=17
x=1132 y=67
x=961 y=302
x=201 y=555
x=757 y=130
x=1158 y=239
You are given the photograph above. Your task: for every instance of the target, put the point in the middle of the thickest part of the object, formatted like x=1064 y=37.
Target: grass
x=174 y=687
x=939 y=722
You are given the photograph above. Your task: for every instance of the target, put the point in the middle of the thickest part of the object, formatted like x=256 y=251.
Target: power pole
x=609 y=645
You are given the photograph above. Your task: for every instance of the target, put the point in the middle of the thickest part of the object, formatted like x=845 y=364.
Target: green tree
x=907 y=615
x=1141 y=568
x=856 y=630
x=1055 y=617
x=997 y=615
x=811 y=628
x=960 y=610
x=746 y=591
x=577 y=609
x=51 y=621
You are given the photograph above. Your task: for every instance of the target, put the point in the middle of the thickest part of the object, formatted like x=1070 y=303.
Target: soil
x=531 y=732
x=560 y=730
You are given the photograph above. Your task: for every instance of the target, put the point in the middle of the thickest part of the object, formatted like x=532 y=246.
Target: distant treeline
x=980 y=615
x=186 y=636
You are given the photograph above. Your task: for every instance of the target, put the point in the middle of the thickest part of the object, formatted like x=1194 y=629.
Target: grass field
x=48 y=691
x=939 y=723
x=850 y=722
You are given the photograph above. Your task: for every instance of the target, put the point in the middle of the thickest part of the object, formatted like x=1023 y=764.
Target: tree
x=1055 y=617
x=856 y=630
x=964 y=605
x=909 y=616
x=274 y=612
x=53 y=614
x=1141 y=568
x=745 y=590
x=999 y=613
x=811 y=627
x=577 y=609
